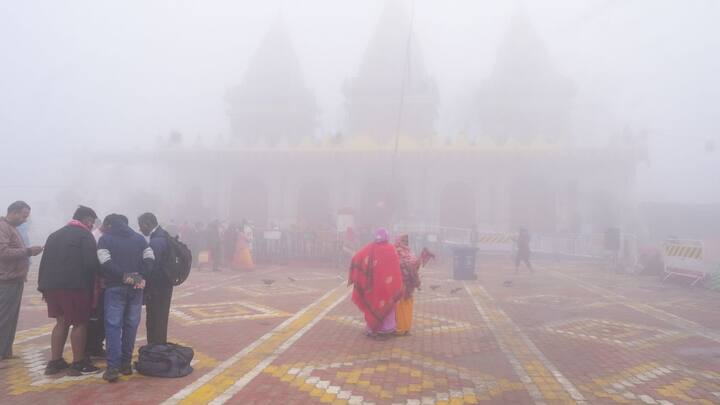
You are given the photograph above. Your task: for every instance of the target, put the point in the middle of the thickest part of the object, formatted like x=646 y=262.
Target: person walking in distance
x=523 y=250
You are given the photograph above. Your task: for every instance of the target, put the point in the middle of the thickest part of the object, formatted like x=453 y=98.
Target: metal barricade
x=289 y=245
x=685 y=258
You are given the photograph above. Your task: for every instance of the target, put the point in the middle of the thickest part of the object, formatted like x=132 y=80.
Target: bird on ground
x=268 y=282
x=434 y=287
x=292 y=279
x=454 y=290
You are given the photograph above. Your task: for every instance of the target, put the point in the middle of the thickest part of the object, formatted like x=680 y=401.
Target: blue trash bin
x=464 y=263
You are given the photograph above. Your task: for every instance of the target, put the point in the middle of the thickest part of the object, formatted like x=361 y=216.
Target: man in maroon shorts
x=66 y=279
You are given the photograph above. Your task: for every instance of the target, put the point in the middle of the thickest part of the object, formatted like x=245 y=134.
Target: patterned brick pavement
x=570 y=333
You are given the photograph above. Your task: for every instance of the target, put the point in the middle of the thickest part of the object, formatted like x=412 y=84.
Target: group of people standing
x=220 y=244
x=384 y=277
x=95 y=282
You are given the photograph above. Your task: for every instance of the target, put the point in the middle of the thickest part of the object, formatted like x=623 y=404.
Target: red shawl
x=375 y=273
x=79 y=224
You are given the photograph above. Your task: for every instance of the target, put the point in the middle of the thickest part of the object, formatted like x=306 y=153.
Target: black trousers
x=524 y=257
x=157 y=308
x=96 y=327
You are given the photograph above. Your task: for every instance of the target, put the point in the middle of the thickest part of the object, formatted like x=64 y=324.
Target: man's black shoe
x=82 y=367
x=126 y=369
x=55 y=366
x=111 y=375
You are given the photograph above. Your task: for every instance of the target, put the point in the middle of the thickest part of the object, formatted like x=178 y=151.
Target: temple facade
x=550 y=190
x=522 y=170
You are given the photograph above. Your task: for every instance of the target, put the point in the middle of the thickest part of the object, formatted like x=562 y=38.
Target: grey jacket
x=14 y=255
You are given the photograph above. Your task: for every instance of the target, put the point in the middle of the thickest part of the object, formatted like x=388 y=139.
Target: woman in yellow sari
x=242 y=259
x=410 y=267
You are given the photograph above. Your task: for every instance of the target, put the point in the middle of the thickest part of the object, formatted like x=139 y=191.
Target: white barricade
x=435 y=233
x=495 y=241
x=684 y=258
x=456 y=236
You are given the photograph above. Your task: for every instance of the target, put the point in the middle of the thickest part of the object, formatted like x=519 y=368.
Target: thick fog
x=86 y=80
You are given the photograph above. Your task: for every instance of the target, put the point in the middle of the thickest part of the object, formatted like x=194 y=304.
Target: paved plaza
x=570 y=333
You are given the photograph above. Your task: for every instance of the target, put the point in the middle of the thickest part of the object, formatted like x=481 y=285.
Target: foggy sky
x=111 y=75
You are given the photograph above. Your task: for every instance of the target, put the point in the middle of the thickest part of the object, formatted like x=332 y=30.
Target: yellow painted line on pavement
x=221 y=383
x=33 y=333
x=679 y=322
x=541 y=378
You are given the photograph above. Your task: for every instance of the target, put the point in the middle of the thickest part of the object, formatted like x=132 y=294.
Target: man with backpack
x=173 y=261
x=158 y=292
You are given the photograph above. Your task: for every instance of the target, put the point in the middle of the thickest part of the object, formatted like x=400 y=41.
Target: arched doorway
x=532 y=203
x=314 y=206
x=190 y=204
x=381 y=204
x=604 y=210
x=249 y=200
x=457 y=206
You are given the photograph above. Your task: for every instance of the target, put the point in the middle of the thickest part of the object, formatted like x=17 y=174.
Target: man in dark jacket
x=523 y=250
x=66 y=278
x=126 y=260
x=158 y=292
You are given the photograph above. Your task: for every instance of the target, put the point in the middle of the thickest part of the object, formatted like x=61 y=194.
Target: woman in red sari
x=377 y=280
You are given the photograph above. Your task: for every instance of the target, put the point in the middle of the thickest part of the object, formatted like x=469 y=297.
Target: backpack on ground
x=178 y=261
x=168 y=360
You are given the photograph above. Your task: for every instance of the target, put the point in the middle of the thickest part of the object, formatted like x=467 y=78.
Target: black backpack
x=178 y=261
x=168 y=360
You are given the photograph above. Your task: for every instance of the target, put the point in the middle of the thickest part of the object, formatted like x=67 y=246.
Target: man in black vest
x=158 y=292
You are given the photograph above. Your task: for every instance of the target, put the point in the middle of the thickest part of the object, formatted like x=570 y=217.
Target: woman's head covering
x=402 y=246
x=381 y=235
x=403 y=240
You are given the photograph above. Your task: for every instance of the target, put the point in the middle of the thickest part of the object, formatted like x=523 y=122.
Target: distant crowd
x=218 y=244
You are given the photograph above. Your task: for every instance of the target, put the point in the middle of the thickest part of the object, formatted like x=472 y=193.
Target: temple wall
x=564 y=194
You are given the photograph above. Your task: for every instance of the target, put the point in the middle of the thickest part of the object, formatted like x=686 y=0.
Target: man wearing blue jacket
x=126 y=260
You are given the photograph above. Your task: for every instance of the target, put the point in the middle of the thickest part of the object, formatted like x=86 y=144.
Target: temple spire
x=525 y=98
x=272 y=102
x=373 y=95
